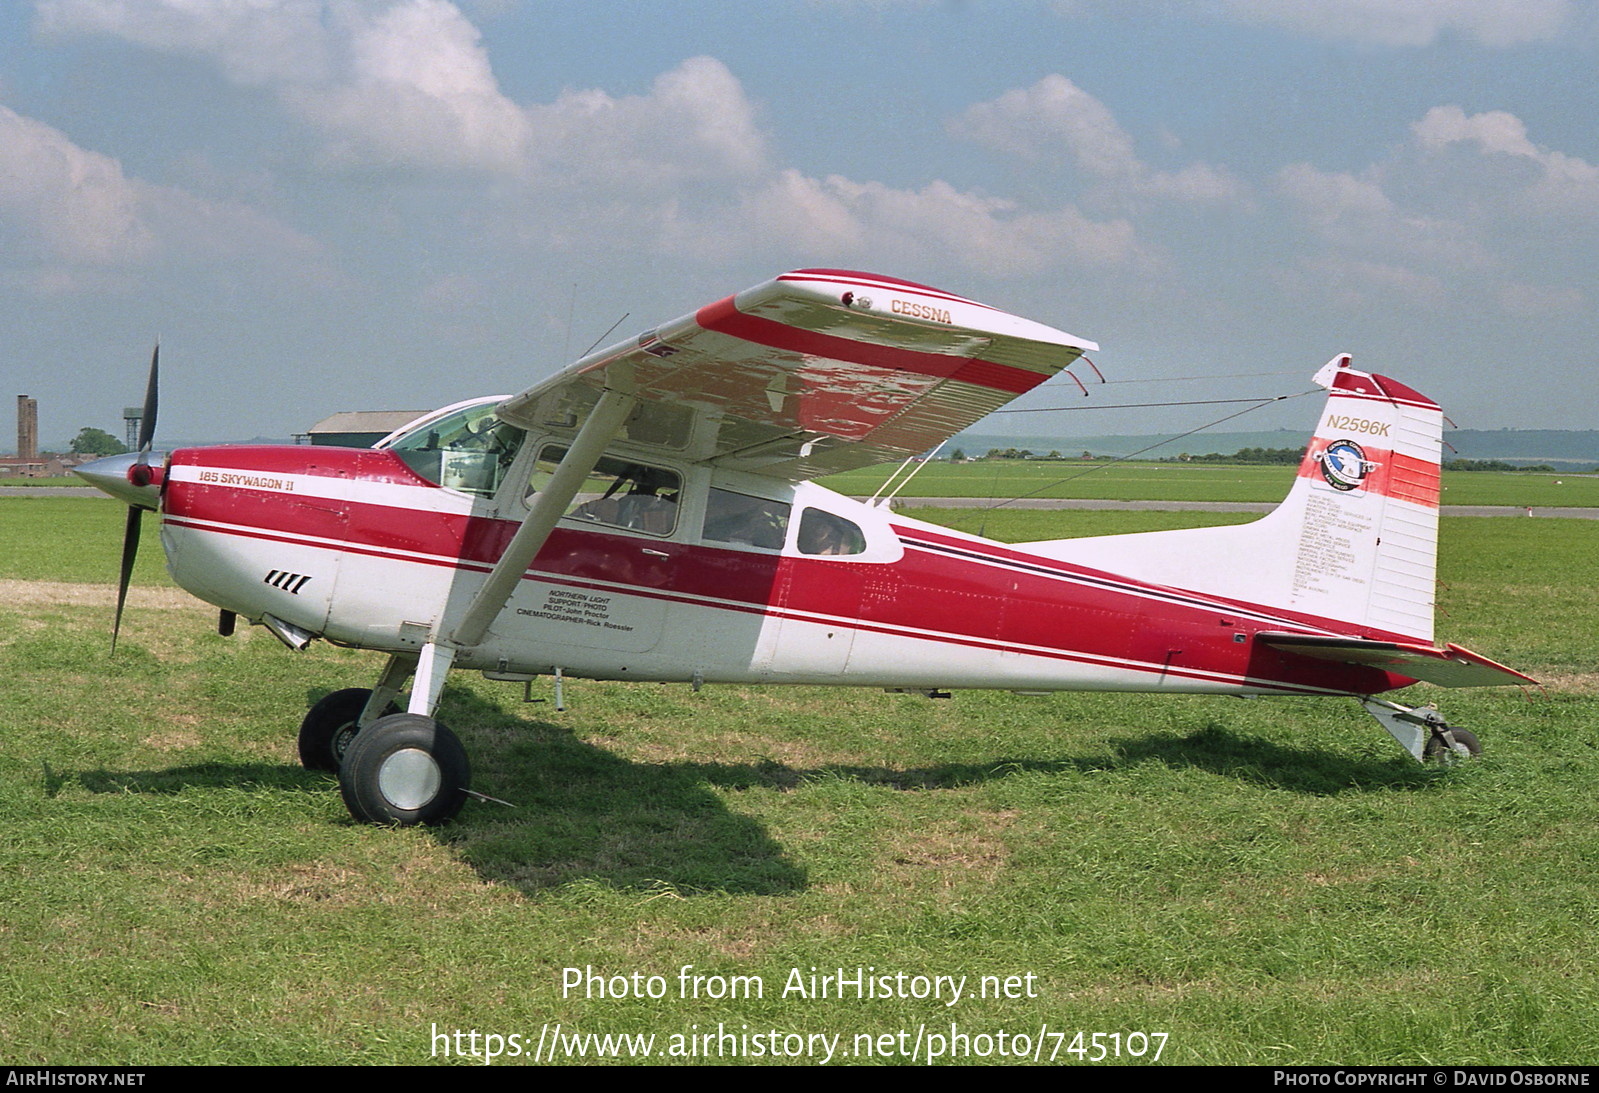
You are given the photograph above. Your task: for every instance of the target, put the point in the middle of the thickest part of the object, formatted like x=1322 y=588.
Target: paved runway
x=50 y=491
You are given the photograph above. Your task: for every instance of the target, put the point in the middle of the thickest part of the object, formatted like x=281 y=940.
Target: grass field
x=1004 y=478
x=37 y=483
x=1262 y=882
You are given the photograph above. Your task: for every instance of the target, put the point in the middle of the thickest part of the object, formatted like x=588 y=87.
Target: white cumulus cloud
x=73 y=205
x=73 y=212
x=254 y=42
x=1052 y=118
x=1353 y=214
x=415 y=86
x=1055 y=120
x=838 y=219
x=695 y=123
x=409 y=83
x=1564 y=183
x=685 y=164
x=1464 y=209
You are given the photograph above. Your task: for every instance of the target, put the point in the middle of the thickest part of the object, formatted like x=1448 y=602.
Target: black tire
x=1437 y=752
x=330 y=726
x=405 y=769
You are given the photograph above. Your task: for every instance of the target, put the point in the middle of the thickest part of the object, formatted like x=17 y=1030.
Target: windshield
x=468 y=449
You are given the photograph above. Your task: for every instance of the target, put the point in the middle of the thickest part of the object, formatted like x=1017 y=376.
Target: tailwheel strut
x=1423 y=732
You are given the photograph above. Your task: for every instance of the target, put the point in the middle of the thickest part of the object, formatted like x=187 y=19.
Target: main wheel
x=330 y=726
x=1466 y=747
x=405 y=769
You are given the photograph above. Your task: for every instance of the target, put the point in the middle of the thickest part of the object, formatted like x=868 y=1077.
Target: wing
x=813 y=372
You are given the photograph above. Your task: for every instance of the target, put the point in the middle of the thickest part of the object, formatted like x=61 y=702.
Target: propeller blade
x=130 y=535
x=225 y=623
x=151 y=402
x=130 y=551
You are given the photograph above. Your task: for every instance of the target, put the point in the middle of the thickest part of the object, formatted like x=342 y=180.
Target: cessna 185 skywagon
x=649 y=514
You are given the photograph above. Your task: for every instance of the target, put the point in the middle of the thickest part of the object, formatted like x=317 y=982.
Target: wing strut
x=603 y=423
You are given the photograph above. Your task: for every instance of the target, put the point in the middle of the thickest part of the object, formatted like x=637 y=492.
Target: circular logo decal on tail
x=1344 y=465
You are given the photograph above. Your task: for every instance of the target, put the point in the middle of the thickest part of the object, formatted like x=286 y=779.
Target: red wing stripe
x=724 y=317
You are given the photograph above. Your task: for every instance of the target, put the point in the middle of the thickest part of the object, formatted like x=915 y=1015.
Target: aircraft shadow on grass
x=585 y=813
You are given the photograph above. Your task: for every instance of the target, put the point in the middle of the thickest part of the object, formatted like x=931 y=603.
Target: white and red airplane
x=649 y=514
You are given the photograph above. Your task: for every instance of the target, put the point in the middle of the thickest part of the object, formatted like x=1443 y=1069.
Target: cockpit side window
x=619 y=492
x=468 y=450
x=823 y=533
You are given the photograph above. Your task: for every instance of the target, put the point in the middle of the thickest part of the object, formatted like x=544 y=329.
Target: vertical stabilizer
x=1356 y=540
x=1366 y=503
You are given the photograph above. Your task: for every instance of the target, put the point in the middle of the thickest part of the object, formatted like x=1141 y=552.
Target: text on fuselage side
x=254 y=481
x=590 y=609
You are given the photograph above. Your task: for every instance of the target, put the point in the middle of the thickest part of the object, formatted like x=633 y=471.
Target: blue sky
x=322 y=205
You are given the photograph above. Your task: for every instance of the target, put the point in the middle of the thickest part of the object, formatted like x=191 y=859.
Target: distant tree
x=1288 y=456
x=958 y=455
x=1477 y=465
x=96 y=442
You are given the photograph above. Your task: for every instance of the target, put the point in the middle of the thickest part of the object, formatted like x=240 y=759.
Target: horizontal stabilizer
x=1448 y=667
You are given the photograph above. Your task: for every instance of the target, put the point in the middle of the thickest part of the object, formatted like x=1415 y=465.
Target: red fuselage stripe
x=773 y=611
x=945 y=589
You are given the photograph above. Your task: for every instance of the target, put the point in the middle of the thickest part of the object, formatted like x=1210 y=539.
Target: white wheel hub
x=409 y=779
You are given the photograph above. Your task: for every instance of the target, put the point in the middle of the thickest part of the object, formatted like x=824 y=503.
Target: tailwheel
x=405 y=769
x=1440 y=751
x=330 y=726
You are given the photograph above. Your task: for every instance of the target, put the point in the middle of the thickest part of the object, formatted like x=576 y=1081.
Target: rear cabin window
x=469 y=450
x=746 y=521
x=619 y=493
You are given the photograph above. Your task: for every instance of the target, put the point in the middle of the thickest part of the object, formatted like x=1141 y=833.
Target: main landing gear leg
x=406 y=768
x=1422 y=731
x=331 y=725
x=389 y=686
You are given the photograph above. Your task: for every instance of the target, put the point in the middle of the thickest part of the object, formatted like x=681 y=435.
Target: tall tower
x=27 y=429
